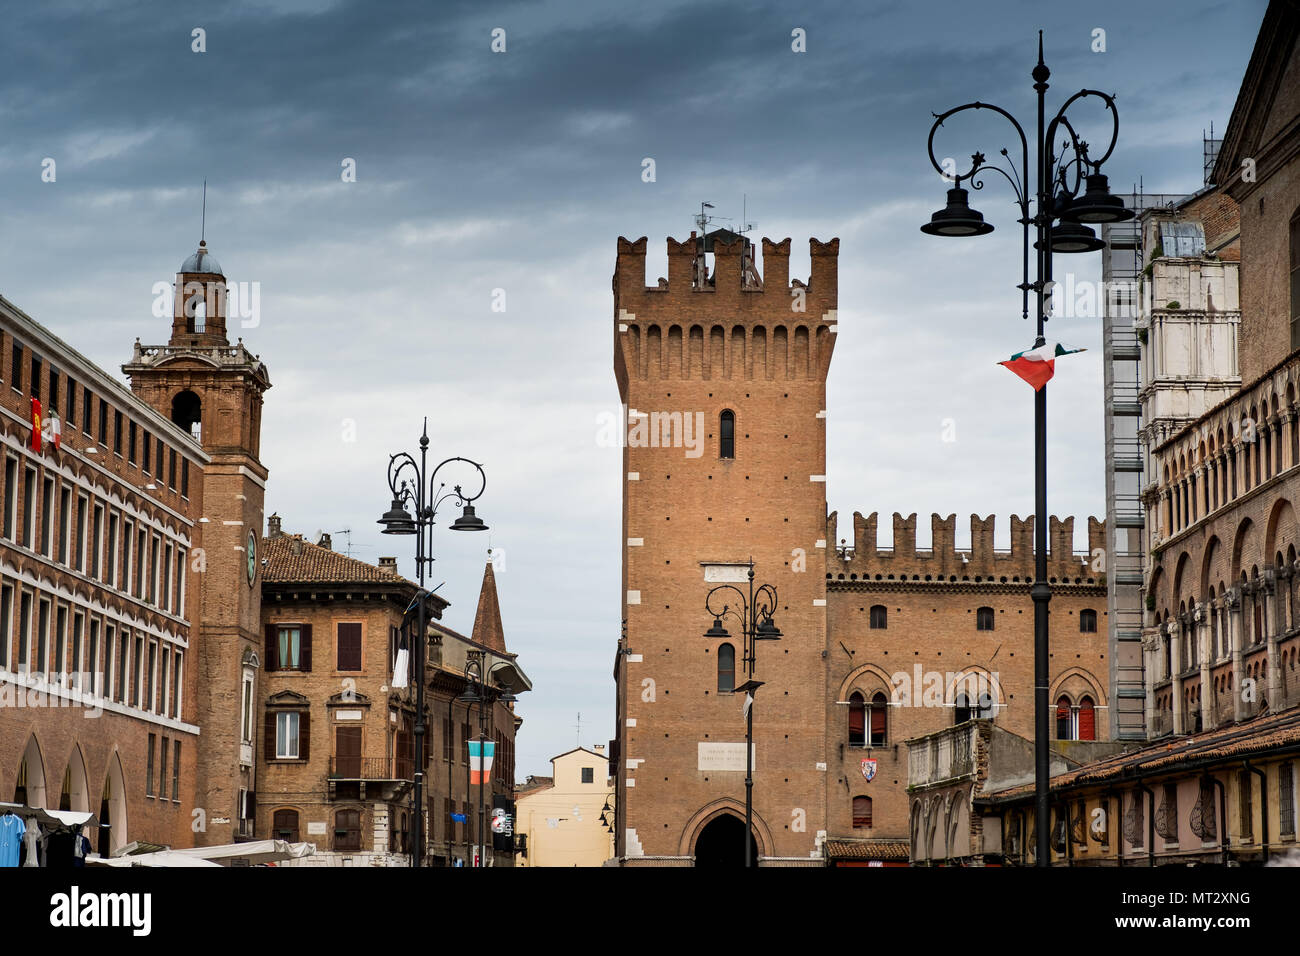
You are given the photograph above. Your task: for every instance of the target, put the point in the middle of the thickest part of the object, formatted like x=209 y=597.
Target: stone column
x=1275 y=675
x=1175 y=668
x=1204 y=653
x=1233 y=600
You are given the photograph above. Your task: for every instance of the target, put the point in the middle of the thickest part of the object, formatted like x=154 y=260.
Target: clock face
x=252 y=557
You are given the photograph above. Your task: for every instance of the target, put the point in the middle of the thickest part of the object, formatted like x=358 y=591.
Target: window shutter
x=272 y=661
x=304 y=736
x=878 y=719
x=269 y=748
x=1087 y=721
x=305 y=649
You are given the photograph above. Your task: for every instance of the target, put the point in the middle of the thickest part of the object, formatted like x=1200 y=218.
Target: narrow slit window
x=727 y=435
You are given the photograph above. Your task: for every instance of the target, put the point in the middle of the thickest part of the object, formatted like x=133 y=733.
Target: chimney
x=388 y=565
x=324 y=541
x=295 y=544
x=273 y=526
x=599 y=748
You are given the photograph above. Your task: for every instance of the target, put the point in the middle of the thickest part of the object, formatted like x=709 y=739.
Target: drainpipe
x=1263 y=805
x=1223 y=815
x=1151 y=824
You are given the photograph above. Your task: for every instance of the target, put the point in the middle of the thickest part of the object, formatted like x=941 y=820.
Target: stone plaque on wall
x=723 y=756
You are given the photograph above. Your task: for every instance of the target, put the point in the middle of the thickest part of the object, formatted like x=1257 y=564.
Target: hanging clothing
x=81 y=850
x=31 y=855
x=11 y=837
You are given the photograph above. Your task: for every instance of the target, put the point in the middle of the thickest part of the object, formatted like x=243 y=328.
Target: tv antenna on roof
x=703 y=219
x=744 y=215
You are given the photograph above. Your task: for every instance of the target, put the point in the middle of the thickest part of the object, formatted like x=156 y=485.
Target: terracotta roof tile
x=290 y=559
x=867 y=849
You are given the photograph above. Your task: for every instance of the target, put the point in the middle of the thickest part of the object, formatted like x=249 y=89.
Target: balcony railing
x=941 y=756
x=370 y=768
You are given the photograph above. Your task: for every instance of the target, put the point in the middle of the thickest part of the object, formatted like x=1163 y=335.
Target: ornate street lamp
x=1059 y=214
x=410 y=482
x=754 y=612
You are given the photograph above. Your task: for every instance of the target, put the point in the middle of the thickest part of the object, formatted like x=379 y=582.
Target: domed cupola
x=202 y=262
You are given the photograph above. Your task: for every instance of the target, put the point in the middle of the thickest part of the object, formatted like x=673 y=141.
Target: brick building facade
x=722 y=372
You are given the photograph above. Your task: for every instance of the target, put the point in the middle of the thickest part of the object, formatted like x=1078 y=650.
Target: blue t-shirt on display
x=12 y=829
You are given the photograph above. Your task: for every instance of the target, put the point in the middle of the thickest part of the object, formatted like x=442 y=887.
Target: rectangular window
x=349 y=647
x=47 y=517
x=92 y=663
x=6 y=623
x=130 y=442
x=110 y=562
x=164 y=682
x=53 y=405
x=103 y=423
x=79 y=552
x=286 y=736
x=159 y=460
x=36 y=377
x=124 y=571
x=150 y=703
x=153 y=569
x=86 y=399
x=17 y=366
x=290 y=646
x=1286 y=798
x=24 y=633
x=167 y=577
x=141 y=556
x=11 y=496
x=145 y=447
x=43 y=638
x=60 y=644
x=148 y=777
x=171 y=468
x=97 y=542
x=180 y=582
x=178 y=672
x=162 y=768
x=28 y=538
x=123 y=653
x=117 y=433
x=185 y=477
x=137 y=656
x=246 y=712
x=176 y=771
x=65 y=515
x=588 y=774
x=78 y=668
x=71 y=402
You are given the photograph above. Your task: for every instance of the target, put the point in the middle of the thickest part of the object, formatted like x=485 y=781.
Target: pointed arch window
x=1064 y=719
x=726 y=668
x=879 y=720
x=727 y=434
x=1087 y=719
x=857 y=720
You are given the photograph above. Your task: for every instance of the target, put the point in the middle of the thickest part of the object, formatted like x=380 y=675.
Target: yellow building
x=566 y=821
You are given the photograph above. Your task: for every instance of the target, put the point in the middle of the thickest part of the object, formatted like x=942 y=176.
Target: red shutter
x=304 y=657
x=877 y=721
x=272 y=661
x=857 y=719
x=1087 y=721
x=269 y=746
x=304 y=736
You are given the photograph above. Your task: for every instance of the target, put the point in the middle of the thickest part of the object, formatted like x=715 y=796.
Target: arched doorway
x=29 y=787
x=721 y=843
x=112 y=810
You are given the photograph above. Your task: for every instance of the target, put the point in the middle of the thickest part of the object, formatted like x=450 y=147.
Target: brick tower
x=213 y=389
x=723 y=379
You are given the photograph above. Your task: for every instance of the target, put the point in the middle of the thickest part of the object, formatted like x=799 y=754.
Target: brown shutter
x=304 y=736
x=272 y=661
x=269 y=746
x=305 y=651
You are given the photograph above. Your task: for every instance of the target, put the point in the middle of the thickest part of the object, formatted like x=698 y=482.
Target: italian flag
x=481 y=753
x=1037 y=366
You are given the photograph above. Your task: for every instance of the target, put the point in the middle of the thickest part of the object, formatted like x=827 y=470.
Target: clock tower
x=214 y=390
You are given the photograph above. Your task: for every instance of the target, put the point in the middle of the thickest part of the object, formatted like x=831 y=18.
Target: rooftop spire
x=487 y=621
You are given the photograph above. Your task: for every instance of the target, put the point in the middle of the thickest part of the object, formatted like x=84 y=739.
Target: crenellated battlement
x=731 y=323
x=860 y=559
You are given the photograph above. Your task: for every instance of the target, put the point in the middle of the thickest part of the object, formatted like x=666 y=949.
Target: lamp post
x=755 y=616
x=1059 y=217
x=478 y=692
x=410 y=481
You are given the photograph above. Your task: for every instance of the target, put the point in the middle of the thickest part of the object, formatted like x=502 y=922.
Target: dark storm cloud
x=479 y=171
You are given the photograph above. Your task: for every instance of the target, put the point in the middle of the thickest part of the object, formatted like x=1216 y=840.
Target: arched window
x=861 y=813
x=347 y=830
x=984 y=619
x=879 y=720
x=187 y=412
x=1087 y=720
x=726 y=668
x=284 y=824
x=727 y=435
x=879 y=617
x=961 y=709
x=857 y=720
x=1087 y=621
x=1064 y=719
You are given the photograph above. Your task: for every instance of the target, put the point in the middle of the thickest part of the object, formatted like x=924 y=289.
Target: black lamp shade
x=1070 y=237
x=467 y=696
x=397 y=520
x=1097 y=204
x=767 y=630
x=717 y=631
x=957 y=218
x=468 y=521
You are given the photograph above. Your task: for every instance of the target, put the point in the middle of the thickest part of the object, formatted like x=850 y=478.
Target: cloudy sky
x=479 y=171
